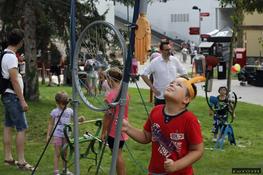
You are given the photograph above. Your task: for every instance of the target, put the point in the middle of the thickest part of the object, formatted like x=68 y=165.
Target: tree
x=246 y=5
x=240 y=7
x=41 y=21
x=32 y=91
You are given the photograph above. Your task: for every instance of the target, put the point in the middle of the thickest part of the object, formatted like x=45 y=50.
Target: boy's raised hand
x=169 y=165
x=125 y=125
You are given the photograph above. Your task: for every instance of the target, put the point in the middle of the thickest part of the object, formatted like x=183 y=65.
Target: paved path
x=249 y=94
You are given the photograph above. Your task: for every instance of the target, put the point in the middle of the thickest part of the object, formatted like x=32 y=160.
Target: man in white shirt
x=164 y=69
x=14 y=102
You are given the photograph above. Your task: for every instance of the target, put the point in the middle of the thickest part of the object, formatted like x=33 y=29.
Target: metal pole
x=230 y=62
x=199 y=26
x=128 y=16
x=74 y=91
x=124 y=90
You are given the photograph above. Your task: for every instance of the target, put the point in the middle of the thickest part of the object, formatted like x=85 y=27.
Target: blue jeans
x=219 y=122
x=14 y=114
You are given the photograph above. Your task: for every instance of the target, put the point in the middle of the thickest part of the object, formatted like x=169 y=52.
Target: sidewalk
x=249 y=94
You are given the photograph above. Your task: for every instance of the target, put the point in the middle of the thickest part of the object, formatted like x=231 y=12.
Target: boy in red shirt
x=174 y=131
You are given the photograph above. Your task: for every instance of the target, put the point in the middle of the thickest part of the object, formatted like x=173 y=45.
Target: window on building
x=183 y=17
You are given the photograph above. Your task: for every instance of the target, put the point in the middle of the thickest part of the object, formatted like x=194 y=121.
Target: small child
x=219 y=104
x=103 y=83
x=114 y=77
x=90 y=67
x=174 y=131
x=59 y=140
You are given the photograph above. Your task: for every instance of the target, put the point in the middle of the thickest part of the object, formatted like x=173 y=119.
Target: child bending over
x=114 y=77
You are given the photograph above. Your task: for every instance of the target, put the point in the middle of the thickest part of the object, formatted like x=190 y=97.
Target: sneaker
x=56 y=172
x=67 y=173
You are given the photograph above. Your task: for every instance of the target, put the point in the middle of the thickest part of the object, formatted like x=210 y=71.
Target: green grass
x=247 y=127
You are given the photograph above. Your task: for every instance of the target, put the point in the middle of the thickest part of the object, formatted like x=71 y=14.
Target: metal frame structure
x=140 y=6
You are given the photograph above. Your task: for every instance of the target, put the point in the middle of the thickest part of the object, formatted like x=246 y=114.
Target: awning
x=213 y=32
x=207 y=35
x=206 y=44
x=223 y=35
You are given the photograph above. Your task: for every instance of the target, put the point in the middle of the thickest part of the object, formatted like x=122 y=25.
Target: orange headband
x=189 y=83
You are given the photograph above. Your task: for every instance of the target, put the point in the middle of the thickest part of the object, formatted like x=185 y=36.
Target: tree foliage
x=240 y=7
x=125 y=2
x=246 y=5
x=43 y=20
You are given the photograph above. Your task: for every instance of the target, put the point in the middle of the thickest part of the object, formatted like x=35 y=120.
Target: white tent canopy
x=222 y=35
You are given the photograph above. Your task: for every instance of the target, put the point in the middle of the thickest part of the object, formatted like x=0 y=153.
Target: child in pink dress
x=114 y=77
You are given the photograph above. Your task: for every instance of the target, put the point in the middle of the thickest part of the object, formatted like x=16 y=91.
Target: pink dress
x=110 y=97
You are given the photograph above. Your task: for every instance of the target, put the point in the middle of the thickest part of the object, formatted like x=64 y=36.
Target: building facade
x=253 y=34
x=173 y=18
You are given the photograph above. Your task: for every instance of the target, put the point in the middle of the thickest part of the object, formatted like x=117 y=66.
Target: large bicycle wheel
x=99 y=47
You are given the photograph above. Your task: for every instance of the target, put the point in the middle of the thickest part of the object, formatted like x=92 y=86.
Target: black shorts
x=110 y=141
x=55 y=70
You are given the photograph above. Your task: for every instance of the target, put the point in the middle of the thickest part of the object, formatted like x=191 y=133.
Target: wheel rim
x=97 y=37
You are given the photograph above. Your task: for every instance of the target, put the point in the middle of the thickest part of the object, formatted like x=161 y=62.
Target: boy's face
x=176 y=91
x=222 y=91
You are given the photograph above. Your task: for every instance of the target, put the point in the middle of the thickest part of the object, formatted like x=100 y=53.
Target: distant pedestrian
x=114 y=62
x=91 y=67
x=56 y=62
x=103 y=85
x=164 y=69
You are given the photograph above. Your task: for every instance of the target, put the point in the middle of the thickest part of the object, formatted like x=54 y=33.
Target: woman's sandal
x=25 y=166
x=10 y=162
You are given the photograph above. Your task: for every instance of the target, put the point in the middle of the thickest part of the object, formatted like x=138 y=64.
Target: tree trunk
x=31 y=78
x=237 y=37
x=67 y=70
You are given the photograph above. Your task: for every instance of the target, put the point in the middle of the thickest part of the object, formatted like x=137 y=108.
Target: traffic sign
x=204 y=14
x=194 y=30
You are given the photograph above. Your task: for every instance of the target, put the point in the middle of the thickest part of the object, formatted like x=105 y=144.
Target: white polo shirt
x=164 y=72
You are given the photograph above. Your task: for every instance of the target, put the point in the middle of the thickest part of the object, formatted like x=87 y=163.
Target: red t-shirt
x=110 y=97
x=181 y=131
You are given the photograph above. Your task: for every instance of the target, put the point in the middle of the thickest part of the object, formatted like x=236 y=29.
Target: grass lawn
x=247 y=127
